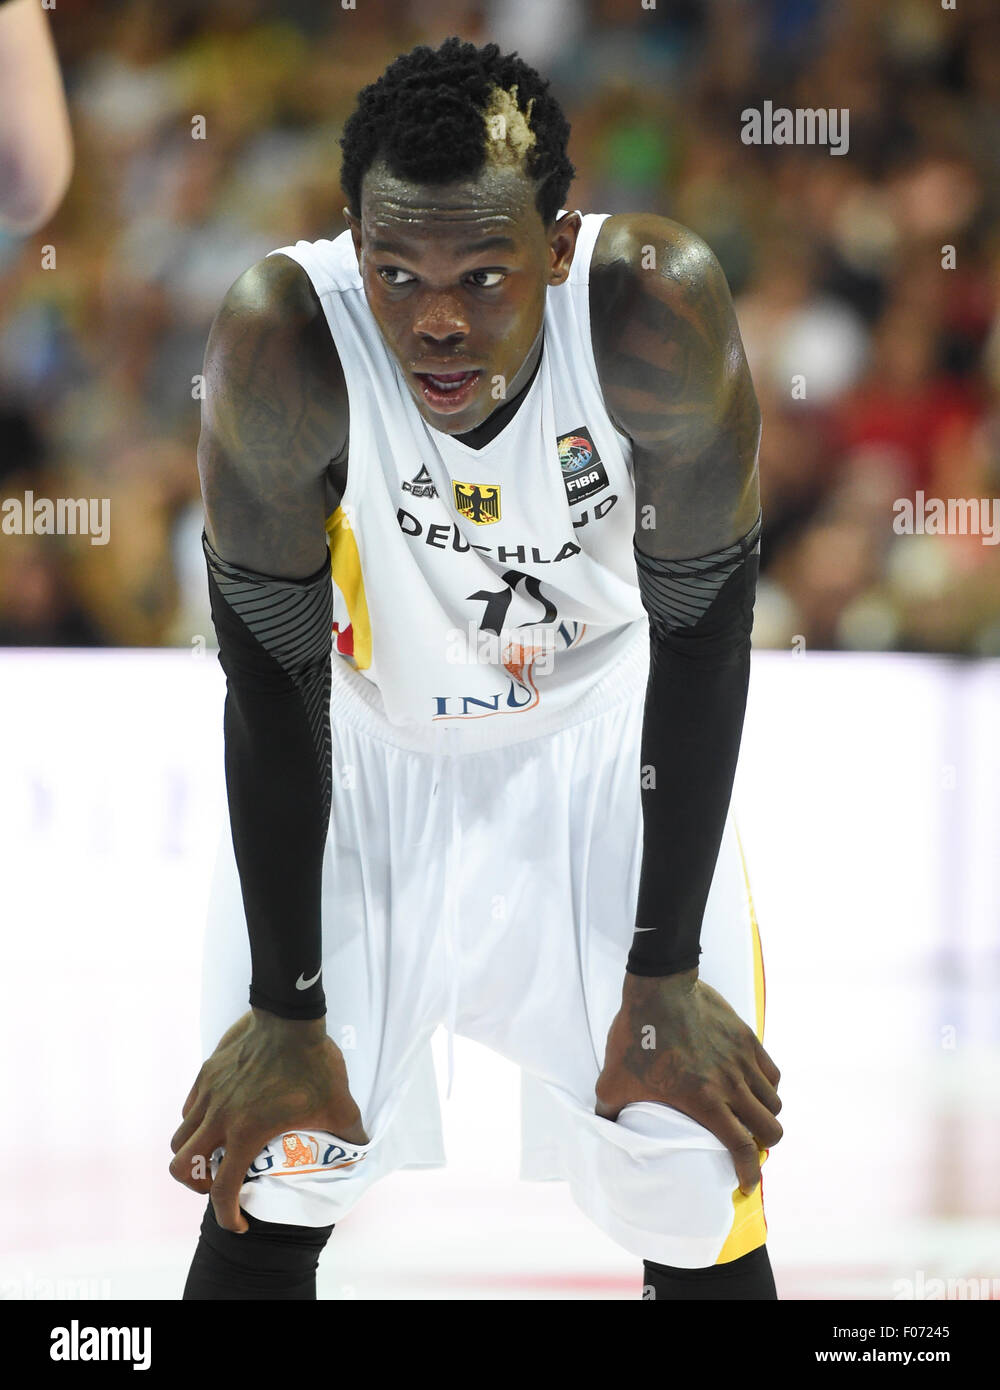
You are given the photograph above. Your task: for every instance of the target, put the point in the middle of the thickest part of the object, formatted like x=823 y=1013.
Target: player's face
x=455 y=277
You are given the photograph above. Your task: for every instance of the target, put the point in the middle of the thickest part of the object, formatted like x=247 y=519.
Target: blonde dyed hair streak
x=509 y=136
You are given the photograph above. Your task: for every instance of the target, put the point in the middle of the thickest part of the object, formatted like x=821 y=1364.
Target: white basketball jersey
x=480 y=584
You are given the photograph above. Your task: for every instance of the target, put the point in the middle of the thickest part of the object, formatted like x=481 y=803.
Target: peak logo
x=421 y=484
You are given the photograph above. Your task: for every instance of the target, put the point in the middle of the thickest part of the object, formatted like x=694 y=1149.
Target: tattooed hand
x=677 y=1042
x=267 y=1075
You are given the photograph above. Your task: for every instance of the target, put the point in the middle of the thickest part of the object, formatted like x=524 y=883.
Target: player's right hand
x=267 y=1076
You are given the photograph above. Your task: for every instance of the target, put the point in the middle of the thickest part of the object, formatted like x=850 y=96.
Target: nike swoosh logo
x=645 y=929
x=303 y=983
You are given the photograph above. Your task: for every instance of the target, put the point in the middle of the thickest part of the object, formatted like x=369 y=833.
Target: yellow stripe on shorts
x=749 y=1228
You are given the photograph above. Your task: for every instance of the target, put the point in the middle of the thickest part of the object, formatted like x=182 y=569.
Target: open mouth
x=447 y=390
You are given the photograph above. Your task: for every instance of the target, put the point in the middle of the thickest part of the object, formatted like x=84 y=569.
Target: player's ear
x=354 y=227
x=562 y=246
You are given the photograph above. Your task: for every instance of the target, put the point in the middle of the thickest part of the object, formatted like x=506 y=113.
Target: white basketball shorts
x=493 y=890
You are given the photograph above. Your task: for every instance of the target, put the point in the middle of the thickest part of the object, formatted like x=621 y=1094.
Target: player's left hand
x=676 y=1041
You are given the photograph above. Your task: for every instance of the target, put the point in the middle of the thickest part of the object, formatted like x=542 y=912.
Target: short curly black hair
x=427 y=118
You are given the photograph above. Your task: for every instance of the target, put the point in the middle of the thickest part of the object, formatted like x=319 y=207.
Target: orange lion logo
x=300 y=1150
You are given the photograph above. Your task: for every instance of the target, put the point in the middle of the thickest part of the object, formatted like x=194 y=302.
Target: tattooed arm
x=275 y=416
x=675 y=380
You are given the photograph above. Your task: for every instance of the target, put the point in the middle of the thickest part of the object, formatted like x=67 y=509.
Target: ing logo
x=300 y=1150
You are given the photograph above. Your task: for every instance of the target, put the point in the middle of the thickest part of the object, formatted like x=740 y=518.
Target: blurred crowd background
x=836 y=263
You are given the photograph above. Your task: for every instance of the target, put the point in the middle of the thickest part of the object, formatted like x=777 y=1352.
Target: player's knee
x=280 y=1242
x=270 y=1260
x=748 y=1277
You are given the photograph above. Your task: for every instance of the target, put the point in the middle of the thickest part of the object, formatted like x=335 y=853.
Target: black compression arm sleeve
x=701 y=616
x=275 y=639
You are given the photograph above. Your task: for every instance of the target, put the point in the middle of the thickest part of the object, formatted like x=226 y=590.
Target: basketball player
x=525 y=441
x=36 y=143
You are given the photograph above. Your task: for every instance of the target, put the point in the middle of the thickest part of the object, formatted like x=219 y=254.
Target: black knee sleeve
x=749 y=1277
x=270 y=1261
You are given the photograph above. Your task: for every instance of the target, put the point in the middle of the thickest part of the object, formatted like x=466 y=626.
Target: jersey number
x=497 y=602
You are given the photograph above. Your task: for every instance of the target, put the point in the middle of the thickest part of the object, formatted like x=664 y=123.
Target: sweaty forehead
x=498 y=202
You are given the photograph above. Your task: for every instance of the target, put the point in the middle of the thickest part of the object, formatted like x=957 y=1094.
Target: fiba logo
x=575 y=452
x=582 y=470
